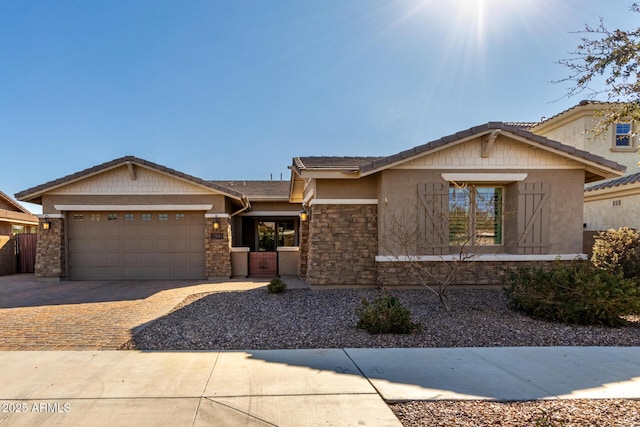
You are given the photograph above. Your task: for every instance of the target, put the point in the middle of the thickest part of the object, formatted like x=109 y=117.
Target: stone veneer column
x=343 y=243
x=218 y=249
x=303 y=244
x=50 y=251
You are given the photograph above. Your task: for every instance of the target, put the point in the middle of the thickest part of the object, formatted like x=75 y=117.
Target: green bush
x=618 y=251
x=385 y=315
x=574 y=293
x=276 y=286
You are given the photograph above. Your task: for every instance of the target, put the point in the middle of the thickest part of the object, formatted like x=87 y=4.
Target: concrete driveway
x=88 y=315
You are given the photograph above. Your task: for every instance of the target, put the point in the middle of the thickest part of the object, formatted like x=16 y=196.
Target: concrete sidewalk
x=335 y=387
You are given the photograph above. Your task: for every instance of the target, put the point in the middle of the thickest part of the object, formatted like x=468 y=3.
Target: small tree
x=615 y=56
x=402 y=238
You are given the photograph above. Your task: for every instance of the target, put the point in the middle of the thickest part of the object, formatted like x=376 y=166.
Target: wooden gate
x=26 y=252
x=263 y=264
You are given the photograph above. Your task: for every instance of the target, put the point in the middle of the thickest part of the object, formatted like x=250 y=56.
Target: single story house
x=504 y=193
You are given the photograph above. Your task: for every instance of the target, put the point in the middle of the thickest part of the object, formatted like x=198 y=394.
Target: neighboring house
x=609 y=204
x=134 y=219
x=529 y=186
x=14 y=219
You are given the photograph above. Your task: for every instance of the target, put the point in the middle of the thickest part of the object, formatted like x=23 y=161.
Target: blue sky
x=234 y=89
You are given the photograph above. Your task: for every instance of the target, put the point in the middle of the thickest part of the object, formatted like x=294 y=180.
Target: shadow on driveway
x=24 y=290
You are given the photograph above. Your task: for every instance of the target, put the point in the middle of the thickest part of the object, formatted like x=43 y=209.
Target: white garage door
x=136 y=245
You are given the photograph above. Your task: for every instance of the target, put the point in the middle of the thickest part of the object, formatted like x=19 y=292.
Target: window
x=179 y=217
x=129 y=217
x=286 y=233
x=266 y=236
x=95 y=217
x=163 y=217
x=475 y=215
x=17 y=229
x=112 y=217
x=145 y=217
x=623 y=136
x=78 y=217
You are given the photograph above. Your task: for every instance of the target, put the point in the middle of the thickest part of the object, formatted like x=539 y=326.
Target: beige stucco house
x=612 y=203
x=516 y=195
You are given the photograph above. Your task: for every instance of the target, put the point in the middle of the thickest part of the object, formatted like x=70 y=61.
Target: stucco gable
x=128 y=175
x=122 y=180
x=505 y=153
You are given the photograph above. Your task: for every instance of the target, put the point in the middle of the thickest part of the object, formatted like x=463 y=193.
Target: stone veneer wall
x=303 y=244
x=50 y=251
x=343 y=244
x=471 y=273
x=218 y=250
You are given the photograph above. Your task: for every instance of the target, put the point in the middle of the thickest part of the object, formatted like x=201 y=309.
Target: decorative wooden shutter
x=533 y=217
x=433 y=218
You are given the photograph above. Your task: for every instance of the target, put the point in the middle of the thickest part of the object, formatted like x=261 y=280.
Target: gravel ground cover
x=302 y=318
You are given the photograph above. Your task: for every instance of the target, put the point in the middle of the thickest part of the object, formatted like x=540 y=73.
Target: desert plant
x=548 y=418
x=276 y=286
x=573 y=293
x=385 y=315
x=618 y=251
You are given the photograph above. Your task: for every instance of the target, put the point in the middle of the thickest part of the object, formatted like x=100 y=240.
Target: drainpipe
x=247 y=206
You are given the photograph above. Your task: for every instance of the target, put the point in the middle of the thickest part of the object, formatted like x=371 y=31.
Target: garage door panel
x=165 y=247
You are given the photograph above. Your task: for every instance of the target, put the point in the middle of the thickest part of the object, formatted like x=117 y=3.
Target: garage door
x=136 y=245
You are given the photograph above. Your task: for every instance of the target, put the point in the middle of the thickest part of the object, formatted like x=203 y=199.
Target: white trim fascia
x=240 y=249
x=343 y=202
x=288 y=249
x=485 y=167
x=133 y=207
x=18 y=221
x=45 y=216
x=271 y=213
x=480 y=257
x=484 y=177
x=216 y=215
x=155 y=193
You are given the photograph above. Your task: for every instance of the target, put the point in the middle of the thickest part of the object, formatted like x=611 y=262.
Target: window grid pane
x=475 y=215
x=623 y=134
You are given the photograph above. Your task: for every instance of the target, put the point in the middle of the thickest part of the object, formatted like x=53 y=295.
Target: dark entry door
x=264 y=262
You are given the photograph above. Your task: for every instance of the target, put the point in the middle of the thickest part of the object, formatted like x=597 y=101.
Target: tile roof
x=578 y=106
x=118 y=162
x=522 y=125
x=333 y=162
x=624 y=180
x=259 y=190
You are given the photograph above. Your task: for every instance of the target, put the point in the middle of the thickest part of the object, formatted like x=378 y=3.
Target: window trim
x=632 y=138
